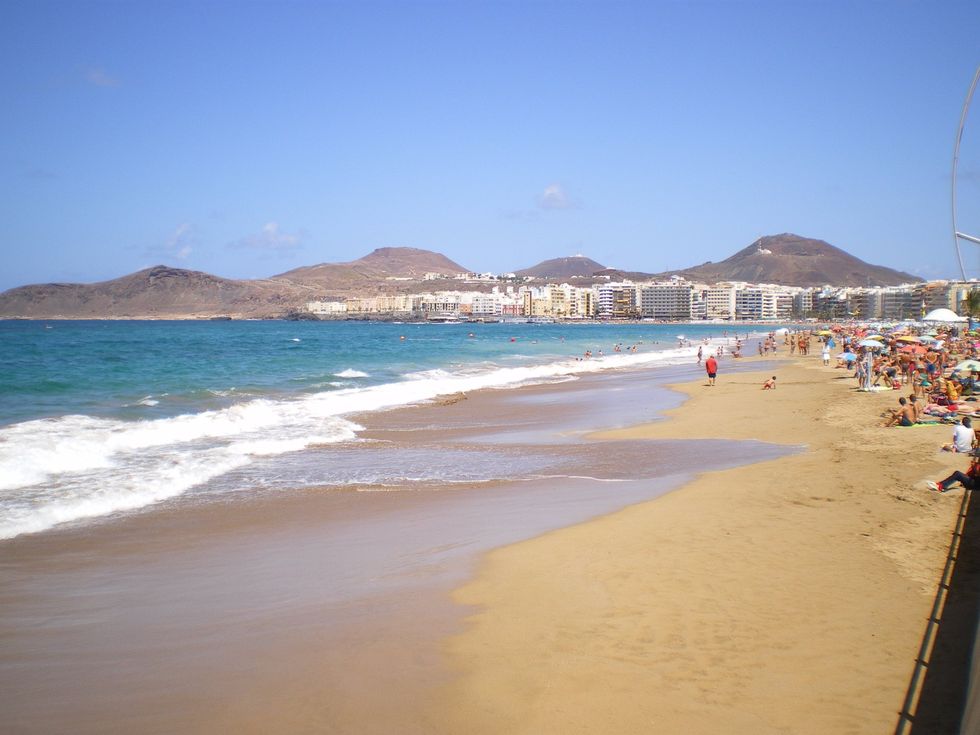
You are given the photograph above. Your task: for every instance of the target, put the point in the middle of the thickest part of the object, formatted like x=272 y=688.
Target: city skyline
x=247 y=140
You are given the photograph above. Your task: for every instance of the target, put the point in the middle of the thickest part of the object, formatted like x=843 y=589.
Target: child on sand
x=770 y=384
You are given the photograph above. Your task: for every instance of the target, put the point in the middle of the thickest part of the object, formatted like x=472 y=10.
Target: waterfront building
x=617 y=301
x=486 y=305
x=719 y=301
x=670 y=300
x=803 y=302
x=327 y=308
x=441 y=305
x=899 y=302
x=674 y=299
x=863 y=303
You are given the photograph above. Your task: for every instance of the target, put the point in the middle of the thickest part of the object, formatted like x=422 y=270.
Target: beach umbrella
x=968 y=366
x=847 y=356
x=824 y=333
x=873 y=336
x=871 y=344
x=908 y=338
x=913 y=349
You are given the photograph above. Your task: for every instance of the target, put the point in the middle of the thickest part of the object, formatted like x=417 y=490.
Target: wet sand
x=788 y=596
x=316 y=609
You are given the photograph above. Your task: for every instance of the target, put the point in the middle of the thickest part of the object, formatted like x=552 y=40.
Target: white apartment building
x=764 y=302
x=699 y=307
x=675 y=299
x=719 y=301
x=617 y=301
x=803 y=302
x=486 y=305
x=581 y=301
x=444 y=304
x=749 y=303
x=326 y=308
x=666 y=300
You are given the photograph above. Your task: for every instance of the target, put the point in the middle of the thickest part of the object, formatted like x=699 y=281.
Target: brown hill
x=791 y=260
x=163 y=292
x=378 y=266
x=575 y=266
x=157 y=292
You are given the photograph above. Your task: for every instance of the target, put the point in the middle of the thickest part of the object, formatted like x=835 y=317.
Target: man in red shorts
x=711 y=365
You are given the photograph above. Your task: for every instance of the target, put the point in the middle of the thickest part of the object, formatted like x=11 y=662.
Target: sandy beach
x=785 y=588
x=319 y=607
x=787 y=596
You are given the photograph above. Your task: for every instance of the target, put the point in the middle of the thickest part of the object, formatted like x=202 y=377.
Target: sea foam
x=57 y=470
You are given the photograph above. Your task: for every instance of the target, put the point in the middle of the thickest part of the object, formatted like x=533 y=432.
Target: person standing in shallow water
x=711 y=367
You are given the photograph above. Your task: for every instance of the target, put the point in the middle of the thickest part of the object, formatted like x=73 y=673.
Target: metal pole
x=956 y=156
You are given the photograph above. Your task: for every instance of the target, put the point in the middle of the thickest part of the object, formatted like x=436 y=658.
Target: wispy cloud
x=178 y=246
x=554 y=196
x=100 y=78
x=271 y=239
x=179 y=243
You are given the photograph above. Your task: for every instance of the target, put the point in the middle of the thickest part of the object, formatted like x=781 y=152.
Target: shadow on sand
x=940 y=697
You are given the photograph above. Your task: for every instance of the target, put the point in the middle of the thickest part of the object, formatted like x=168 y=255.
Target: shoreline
x=645 y=618
x=790 y=595
x=268 y=578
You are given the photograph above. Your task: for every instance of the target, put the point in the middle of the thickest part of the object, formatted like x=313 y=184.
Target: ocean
x=105 y=417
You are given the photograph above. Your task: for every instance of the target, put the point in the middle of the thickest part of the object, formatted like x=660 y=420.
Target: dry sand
x=789 y=596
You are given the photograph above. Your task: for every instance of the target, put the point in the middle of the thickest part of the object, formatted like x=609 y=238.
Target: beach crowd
x=938 y=367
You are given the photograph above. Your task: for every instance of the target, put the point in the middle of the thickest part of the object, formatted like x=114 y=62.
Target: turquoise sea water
x=98 y=417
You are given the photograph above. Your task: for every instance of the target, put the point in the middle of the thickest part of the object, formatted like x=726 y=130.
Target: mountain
x=379 y=265
x=164 y=292
x=792 y=260
x=575 y=266
x=157 y=292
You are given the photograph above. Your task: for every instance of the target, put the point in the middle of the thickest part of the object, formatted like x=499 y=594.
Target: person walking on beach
x=711 y=367
x=700 y=354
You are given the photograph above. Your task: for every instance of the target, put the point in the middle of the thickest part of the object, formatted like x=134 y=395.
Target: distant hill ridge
x=792 y=260
x=380 y=263
x=163 y=291
x=160 y=291
x=574 y=266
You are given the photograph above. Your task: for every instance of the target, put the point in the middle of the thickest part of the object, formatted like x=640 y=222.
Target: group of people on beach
x=939 y=367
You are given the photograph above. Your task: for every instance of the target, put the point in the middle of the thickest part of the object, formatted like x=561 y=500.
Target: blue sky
x=249 y=138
